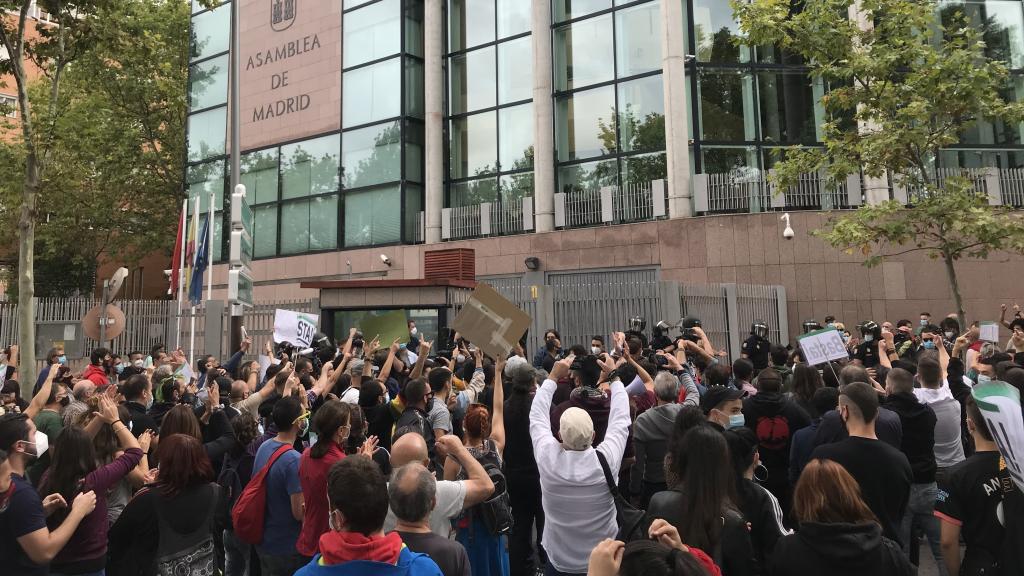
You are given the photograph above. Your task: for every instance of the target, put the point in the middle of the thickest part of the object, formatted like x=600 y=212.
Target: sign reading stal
x=290 y=70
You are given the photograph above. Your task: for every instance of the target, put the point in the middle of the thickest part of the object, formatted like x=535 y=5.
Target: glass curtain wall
x=751 y=101
x=490 y=101
x=609 y=103
x=382 y=122
x=209 y=42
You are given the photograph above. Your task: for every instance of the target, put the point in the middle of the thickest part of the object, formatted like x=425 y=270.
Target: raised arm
x=421 y=360
x=943 y=355
x=479 y=485
x=498 y=415
x=385 y=371
x=540 y=410
x=640 y=372
x=39 y=400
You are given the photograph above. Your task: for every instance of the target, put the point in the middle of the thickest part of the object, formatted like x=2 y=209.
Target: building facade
x=567 y=130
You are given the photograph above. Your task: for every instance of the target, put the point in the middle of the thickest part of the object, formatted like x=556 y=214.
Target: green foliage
x=113 y=180
x=907 y=80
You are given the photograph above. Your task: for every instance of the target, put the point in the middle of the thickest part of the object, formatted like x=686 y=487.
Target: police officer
x=757 y=346
x=637 y=324
x=811 y=326
x=867 y=351
x=660 y=339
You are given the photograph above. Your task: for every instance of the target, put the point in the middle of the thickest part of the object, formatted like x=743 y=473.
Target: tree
x=913 y=83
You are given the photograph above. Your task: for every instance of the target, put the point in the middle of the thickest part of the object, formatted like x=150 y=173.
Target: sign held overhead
x=491 y=322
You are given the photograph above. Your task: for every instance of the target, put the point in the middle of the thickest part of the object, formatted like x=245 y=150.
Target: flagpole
x=195 y=251
x=209 y=249
x=181 y=270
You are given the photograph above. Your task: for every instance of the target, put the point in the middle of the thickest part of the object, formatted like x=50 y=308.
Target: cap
x=716 y=395
x=576 y=429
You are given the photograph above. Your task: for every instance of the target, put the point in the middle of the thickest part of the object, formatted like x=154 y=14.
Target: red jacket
x=96 y=375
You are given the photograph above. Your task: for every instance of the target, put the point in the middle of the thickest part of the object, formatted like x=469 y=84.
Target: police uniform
x=867 y=353
x=756 y=349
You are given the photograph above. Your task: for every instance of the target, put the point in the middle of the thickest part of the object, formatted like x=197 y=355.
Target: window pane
x=515 y=186
x=584 y=53
x=211 y=32
x=638 y=39
x=787 y=107
x=588 y=176
x=323 y=223
x=371 y=155
x=294 y=227
x=372 y=33
x=513 y=17
x=641 y=115
x=472 y=78
x=568 y=9
x=474 y=145
x=204 y=179
x=259 y=174
x=413 y=207
x=413 y=88
x=373 y=217
x=414 y=29
x=310 y=168
x=515 y=70
x=208 y=83
x=265 y=235
x=727 y=110
x=585 y=124
x=414 y=152
x=217 y=250
x=472 y=23
x=353 y=3
x=643 y=168
x=515 y=127
x=1001 y=23
x=721 y=160
x=206 y=134
x=372 y=93
x=475 y=192
x=714 y=30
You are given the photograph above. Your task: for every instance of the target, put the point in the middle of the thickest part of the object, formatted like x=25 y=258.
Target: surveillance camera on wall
x=788 y=233
x=384 y=258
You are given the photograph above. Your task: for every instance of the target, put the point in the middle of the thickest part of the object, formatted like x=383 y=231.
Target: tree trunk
x=26 y=278
x=954 y=287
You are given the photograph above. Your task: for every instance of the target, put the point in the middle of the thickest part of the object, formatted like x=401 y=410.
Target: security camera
x=788 y=233
x=384 y=258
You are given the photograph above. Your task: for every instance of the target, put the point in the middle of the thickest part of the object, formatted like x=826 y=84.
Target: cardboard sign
x=1000 y=405
x=988 y=331
x=491 y=322
x=295 y=327
x=387 y=327
x=822 y=346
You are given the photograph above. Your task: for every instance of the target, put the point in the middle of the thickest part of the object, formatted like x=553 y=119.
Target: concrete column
x=433 y=100
x=673 y=70
x=543 y=119
x=876 y=190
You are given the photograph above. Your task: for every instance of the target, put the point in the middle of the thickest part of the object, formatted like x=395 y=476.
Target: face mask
x=149 y=403
x=40 y=445
x=62 y=360
x=119 y=368
x=928 y=345
x=984 y=378
x=869 y=337
x=261 y=429
x=949 y=335
x=140 y=363
x=924 y=322
x=595 y=350
x=736 y=421
x=413 y=332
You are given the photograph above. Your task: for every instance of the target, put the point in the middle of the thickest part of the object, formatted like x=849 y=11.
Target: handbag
x=633 y=522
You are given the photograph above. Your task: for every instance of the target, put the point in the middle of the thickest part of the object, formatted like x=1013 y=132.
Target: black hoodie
x=918 y=443
x=838 y=550
x=774 y=419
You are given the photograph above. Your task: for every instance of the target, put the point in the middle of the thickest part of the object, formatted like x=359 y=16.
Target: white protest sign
x=822 y=346
x=999 y=403
x=988 y=331
x=295 y=327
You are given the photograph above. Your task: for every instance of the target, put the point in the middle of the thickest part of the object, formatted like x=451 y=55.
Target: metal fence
x=593 y=303
x=752 y=191
x=1011 y=186
x=634 y=202
x=502 y=218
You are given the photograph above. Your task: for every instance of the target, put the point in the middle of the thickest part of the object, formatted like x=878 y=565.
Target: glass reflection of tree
x=384 y=159
x=721 y=102
x=201 y=77
x=720 y=47
x=315 y=173
x=638 y=135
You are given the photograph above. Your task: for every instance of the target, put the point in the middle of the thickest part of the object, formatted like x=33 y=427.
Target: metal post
x=103 y=313
x=235 y=332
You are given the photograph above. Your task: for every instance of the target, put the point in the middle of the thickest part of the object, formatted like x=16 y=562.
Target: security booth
x=431 y=303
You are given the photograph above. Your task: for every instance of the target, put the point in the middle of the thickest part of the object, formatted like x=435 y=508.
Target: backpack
x=249 y=511
x=234 y=475
x=413 y=420
x=192 y=554
x=772 y=432
x=496 y=512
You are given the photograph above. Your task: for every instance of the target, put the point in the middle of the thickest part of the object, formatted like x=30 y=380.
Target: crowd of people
x=636 y=454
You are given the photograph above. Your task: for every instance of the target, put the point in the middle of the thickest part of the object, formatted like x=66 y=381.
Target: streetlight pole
x=236 y=153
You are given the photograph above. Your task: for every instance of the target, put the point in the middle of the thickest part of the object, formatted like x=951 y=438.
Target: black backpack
x=235 y=473
x=495 y=512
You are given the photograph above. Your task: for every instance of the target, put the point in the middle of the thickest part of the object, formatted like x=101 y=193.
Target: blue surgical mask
x=736 y=421
x=119 y=368
x=928 y=345
x=984 y=378
x=62 y=360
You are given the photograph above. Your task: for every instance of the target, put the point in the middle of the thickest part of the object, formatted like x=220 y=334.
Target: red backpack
x=249 y=511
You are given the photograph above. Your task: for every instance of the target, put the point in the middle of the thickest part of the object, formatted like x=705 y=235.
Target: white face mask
x=460 y=358
x=414 y=331
x=40 y=443
x=869 y=337
x=949 y=335
x=595 y=350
